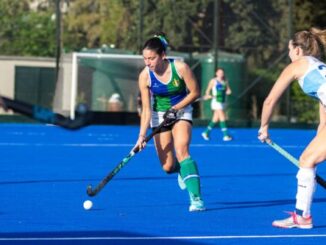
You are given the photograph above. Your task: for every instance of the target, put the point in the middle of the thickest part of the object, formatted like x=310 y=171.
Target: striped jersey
x=313 y=82
x=219 y=91
x=166 y=95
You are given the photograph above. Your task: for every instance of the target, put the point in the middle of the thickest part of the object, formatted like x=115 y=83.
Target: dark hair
x=158 y=43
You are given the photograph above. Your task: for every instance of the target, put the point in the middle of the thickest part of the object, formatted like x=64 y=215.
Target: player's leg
x=210 y=126
x=223 y=126
x=188 y=168
x=165 y=150
x=314 y=153
x=213 y=122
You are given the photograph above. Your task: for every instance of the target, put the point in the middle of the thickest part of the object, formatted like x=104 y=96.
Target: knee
x=169 y=169
x=181 y=152
x=307 y=161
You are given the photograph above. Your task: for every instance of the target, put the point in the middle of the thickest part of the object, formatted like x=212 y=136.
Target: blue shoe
x=181 y=183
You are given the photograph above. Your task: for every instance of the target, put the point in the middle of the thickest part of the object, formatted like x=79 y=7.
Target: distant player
x=305 y=51
x=168 y=86
x=218 y=88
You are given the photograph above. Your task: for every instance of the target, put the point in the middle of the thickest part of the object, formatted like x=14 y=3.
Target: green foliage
x=117 y=22
x=259 y=30
x=303 y=108
x=24 y=32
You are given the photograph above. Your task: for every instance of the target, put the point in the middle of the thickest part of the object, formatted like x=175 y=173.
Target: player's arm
x=284 y=80
x=193 y=89
x=208 y=90
x=146 y=107
x=228 y=88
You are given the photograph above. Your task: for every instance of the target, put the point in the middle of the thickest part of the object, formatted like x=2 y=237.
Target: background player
x=217 y=89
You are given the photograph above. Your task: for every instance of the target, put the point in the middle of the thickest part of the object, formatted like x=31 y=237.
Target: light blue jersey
x=313 y=82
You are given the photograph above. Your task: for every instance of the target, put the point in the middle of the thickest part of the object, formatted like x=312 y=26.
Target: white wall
x=7 y=71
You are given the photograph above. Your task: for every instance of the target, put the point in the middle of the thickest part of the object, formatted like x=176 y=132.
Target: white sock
x=306 y=188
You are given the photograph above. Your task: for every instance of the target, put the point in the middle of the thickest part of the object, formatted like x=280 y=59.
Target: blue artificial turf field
x=245 y=184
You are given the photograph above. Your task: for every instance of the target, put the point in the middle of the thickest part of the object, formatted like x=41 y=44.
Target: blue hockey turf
x=245 y=185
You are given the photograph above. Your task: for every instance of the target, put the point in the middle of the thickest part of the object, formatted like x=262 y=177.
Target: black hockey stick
x=94 y=191
x=45 y=115
x=292 y=159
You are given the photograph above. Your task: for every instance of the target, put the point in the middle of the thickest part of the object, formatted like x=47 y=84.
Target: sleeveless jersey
x=219 y=91
x=166 y=95
x=313 y=82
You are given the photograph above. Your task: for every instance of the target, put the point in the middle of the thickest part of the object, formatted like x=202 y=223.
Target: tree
x=25 y=32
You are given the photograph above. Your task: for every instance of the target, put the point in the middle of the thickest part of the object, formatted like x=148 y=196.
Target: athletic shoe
x=181 y=183
x=205 y=136
x=227 y=138
x=196 y=204
x=294 y=221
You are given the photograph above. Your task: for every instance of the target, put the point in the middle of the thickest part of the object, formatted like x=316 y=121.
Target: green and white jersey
x=166 y=95
x=219 y=91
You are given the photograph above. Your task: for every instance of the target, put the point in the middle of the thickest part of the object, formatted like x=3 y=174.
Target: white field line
x=161 y=238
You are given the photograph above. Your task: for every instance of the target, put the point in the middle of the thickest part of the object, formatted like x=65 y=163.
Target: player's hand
x=263 y=134
x=170 y=116
x=141 y=143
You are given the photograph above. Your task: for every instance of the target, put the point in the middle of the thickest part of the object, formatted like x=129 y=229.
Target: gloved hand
x=170 y=117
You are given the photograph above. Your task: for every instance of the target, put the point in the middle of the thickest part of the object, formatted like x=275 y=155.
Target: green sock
x=224 y=128
x=210 y=126
x=189 y=173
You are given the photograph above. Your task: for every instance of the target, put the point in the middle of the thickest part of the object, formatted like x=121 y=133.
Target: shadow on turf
x=90 y=238
x=255 y=204
x=158 y=178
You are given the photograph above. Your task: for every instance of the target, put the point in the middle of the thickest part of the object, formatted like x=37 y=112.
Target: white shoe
x=294 y=221
x=196 y=204
x=181 y=183
x=205 y=136
x=227 y=138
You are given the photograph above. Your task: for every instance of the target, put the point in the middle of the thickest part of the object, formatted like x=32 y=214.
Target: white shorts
x=215 y=105
x=157 y=116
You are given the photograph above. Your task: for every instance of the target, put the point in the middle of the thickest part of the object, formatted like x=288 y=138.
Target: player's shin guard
x=306 y=188
x=189 y=174
x=224 y=128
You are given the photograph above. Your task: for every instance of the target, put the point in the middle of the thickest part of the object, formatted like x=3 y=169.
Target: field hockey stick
x=45 y=115
x=202 y=98
x=293 y=160
x=92 y=192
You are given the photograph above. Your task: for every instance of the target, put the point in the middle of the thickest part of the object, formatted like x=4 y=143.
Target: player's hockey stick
x=94 y=191
x=292 y=159
x=45 y=115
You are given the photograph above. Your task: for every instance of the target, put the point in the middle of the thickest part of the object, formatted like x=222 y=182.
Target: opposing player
x=168 y=87
x=217 y=89
x=305 y=51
